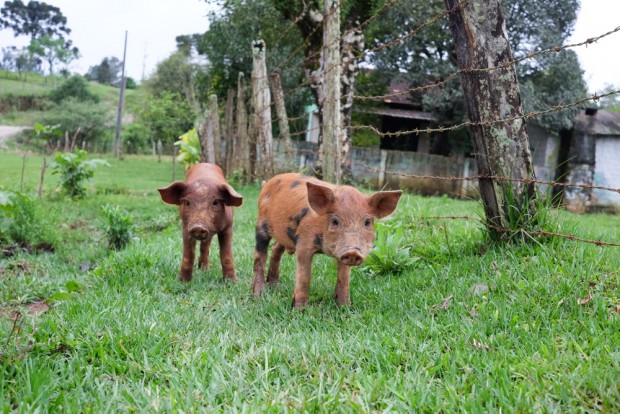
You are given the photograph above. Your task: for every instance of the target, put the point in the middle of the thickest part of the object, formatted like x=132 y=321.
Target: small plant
x=118 y=226
x=74 y=169
x=391 y=253
x=19 y=221
x=189 y=148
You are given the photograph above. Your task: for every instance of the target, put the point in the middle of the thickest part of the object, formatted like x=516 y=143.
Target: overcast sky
x=98 y=30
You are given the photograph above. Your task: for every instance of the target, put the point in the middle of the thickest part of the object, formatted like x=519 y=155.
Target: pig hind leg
x=226 y=257
x=263 y=237
x=273 y=276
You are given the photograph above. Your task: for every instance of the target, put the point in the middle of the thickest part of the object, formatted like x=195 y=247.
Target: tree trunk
x=262 y=109
x=205 y=135
x=491 y=94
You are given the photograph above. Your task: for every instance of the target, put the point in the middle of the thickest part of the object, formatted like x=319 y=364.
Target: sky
x=98 y=30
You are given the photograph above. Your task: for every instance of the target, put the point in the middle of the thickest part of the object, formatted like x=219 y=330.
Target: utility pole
x=121 y=97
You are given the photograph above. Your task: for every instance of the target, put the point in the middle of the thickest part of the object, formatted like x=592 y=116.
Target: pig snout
x=352 y=257
x=198 y=231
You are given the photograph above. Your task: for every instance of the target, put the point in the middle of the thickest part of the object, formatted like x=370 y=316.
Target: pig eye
x=186 y=202
x=335 y=221
x=368 y=222
x=216 y=203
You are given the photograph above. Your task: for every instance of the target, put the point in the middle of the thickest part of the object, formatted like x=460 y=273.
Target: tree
x=34 y=19
x=428 y=57
x=108 y=72
x=75 y=88
x=53 y=50
x=175 y=74
x=168 y=116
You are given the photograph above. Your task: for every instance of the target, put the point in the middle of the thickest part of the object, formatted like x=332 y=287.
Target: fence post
x=492 y=93
x=230 y=131
x=241 y=151
x=332 y=126
x=262 y=108
x=216 y=129
x=205 y=135
x=278 y=97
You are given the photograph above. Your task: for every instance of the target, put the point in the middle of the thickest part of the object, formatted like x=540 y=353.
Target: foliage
x=117 y=227
x=189 y=148
x=49 y=133
x=108 y=72
x=76 y=88
x=53 y=50
x=429 y=57
x=83 y=122
x=365 y=137
x=136 y=138
x=175 y=74
x=168 y=116
x=391 y=253
x=34 y=19
x=74 y=169
x=20 y=222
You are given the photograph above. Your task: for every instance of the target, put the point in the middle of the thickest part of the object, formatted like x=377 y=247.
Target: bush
x=74 y=169
x=19 y=221
x=136 y=138
x=189 y=148
x=117 y=227
x=76 y=88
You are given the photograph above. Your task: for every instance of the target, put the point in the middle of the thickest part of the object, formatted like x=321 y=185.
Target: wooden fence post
x=205 y=135
x=262 y=108
x=231 y=142
x=241 y=152
x=492 y=94
x=332 y=125
x=278 y=97
x=216 y=129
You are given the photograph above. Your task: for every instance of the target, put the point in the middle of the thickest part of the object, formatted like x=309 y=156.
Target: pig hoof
x=299 y=304
x=230 y=278
x=258 y=289
x=185 y=278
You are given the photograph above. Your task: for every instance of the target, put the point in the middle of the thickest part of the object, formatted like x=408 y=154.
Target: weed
x=117 y=227
x=391 y=254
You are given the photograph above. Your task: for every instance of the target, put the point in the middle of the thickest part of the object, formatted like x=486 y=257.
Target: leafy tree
x=75 y=88
x=34 y=19
x=168 y=116
x=53 y=50
x=174 y=75
x=108 y=72
x=428 y=58
x=74 y=169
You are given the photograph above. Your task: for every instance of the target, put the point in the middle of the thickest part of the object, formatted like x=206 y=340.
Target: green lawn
x=524 y=328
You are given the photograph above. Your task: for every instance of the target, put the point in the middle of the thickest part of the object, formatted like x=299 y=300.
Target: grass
x=524 y=327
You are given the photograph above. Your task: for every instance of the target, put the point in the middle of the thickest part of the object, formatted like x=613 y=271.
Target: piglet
x=307 y=216
x=206 y=204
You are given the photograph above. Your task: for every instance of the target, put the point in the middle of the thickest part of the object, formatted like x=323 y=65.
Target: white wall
x=607 y=170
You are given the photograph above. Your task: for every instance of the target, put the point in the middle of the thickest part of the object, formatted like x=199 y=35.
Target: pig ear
x=173 y=193
x=230 y=196
x=384 y=203
x=320 y=198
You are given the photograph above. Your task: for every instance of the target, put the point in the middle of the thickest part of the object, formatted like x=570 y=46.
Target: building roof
x=398 y=93
x=602 y=122
x=398 y=113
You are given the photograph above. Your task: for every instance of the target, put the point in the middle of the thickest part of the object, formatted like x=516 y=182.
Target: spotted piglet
x=306 y=216
x=206 y=204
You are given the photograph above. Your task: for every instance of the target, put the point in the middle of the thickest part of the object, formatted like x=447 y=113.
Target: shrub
x=118 y=226
x=74 y=169
x=136 y=138
x=189 y=148
x=19 y=221
x=76 y=88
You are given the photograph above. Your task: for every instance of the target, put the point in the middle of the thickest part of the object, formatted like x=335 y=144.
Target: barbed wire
x=544 y=233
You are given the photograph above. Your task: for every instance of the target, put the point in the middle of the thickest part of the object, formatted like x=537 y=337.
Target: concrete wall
x=607 y=172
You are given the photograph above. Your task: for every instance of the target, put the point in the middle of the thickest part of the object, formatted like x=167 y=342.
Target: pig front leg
x=226 y=257
x=260 y=257
x=342 y=285
x=273 y=276
x=187 y=263
x=302 y=280
x=203 y=261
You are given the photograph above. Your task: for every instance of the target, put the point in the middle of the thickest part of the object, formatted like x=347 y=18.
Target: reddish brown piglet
x=308 y=216
x=206 y=204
